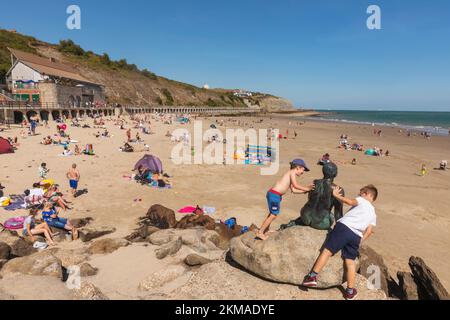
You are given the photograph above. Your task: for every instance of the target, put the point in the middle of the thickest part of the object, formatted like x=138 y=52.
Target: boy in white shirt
x=348 y=234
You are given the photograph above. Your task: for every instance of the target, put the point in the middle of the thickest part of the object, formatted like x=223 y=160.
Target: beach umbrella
x=150 y=162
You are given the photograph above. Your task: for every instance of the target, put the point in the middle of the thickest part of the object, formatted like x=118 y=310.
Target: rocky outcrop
x=40 y=264
x=70 y=257
x=194 y=221
x=169 y=249
x=197 y=239
x=8 y=236
x=407 y=286
x=88 y=291
x=160 y=217
x=22 y=248
x=142 y=234
x=287 y=256
x=219 y=280
x=105 y=246
x=86 y=270
x=88 y=234
x=274 y=104
x=193 y=260
x=370 y=262
x=428 y=284
x=5 y=251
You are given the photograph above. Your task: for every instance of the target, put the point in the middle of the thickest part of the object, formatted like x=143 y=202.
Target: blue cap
x=301 y=163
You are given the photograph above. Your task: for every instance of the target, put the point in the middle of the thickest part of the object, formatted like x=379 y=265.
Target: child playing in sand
x=74 y=177
x=423 y=171
x=77 y=150
x=349 y=232
x=43 y=171
x=274 y=195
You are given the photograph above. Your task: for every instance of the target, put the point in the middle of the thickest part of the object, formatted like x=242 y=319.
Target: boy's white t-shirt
x=360 y=217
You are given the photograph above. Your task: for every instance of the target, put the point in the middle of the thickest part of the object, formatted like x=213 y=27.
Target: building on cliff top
x=34 y=79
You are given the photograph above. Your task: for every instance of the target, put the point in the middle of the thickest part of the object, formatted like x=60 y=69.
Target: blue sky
x=315 y=53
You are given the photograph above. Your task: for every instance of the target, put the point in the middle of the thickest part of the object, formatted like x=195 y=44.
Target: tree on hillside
x=68 y=46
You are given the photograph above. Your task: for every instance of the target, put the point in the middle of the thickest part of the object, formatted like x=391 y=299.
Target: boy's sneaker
x=310 y=281
x=352 y=295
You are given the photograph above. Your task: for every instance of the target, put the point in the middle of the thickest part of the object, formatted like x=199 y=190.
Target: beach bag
x=230 y=223
x=14 y=223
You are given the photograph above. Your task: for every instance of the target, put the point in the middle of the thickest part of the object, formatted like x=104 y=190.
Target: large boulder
x=161 y=217
x=2 y=263
x=105 y=246
x=70 y=257
x=86 y=270
x=407 y=286
x=43 y=263
x=193 y=260
x=5 y=251
x=88 y=234
x=142 y=233
x=287 y=256
x=198 y=239
x=169 y=249
x=22 y=248
x=429 y=285
x=193 y=221
x=370 y=261
x=9 y=236
x=88 y=291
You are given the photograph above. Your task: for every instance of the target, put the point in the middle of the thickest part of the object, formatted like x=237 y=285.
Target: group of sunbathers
x=49 y=202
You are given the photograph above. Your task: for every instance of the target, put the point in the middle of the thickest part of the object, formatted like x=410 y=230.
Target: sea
x=436 y=123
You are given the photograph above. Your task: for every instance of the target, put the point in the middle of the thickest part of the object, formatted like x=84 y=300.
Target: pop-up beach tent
x=150 y=162
x=5 y=146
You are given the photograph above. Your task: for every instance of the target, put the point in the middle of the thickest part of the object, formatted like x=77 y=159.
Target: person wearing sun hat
x=275 y=195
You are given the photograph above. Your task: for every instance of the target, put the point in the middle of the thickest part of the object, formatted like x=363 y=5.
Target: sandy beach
x=413 y=217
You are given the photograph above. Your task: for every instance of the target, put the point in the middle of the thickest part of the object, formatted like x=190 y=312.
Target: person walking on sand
x=74 y=177
x=129 y=135
x=275 y=195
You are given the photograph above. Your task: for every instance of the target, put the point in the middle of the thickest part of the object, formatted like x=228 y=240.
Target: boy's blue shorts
x=342 y=238
x=274 y=203
x=73 y=184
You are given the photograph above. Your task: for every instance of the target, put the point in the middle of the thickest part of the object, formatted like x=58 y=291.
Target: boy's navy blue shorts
x=274 y=202
x=342 y=238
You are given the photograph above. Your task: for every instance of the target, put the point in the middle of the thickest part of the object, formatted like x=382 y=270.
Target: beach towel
x=188 y=209
x=13 y=206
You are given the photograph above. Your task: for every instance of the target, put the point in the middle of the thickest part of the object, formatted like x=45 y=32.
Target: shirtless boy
x=74 y=176
x=275 y=195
